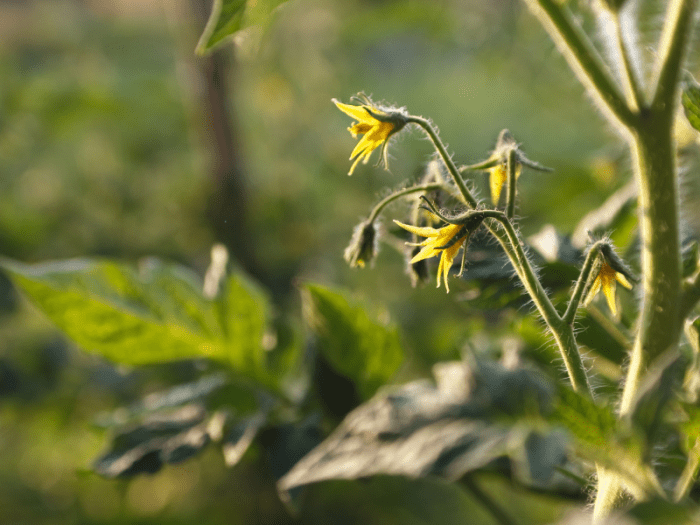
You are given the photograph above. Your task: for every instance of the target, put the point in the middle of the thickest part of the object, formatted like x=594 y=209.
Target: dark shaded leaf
x=286 y=444
x=240 y=437
x=545 y=453
x=354 y=344
x=662 y=512
x=422 y=429
x=159 y=440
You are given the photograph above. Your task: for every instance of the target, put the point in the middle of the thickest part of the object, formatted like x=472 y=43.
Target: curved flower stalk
x=376 y=125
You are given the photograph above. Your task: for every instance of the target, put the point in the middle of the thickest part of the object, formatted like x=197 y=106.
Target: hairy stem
x=562 y=331
x=511 y=169
x=671 y=52
x=690 y=472
x=583 y=59
x=402 y=193
x=580 y=286
x=633 y=92
x=446 y=158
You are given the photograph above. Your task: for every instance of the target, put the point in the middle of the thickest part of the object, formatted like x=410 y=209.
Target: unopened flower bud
x=363 y=246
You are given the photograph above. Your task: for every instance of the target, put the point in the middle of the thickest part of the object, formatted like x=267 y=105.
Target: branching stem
x=635 y=96
x=402 y=193
x=583 y=59
x=446 y=158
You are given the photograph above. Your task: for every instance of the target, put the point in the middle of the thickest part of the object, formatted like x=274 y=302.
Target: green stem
x=635 y=97
x=580 y=286
x=483 y=165
x=655 y=170
x=659 y=322
x=449 y=163
x=562 y=331
x=511 y=169
x=402 y=193
x=582 y=58
x=671 y=52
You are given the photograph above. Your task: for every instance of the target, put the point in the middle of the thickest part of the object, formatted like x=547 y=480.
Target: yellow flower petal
x=623 y=280
x=359 y=113
x=606 y=280
x=425 y=231
x=433 y=246
x=374 y=132
x=497 y=179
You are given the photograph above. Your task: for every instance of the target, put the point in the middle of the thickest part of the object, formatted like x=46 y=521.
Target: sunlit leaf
x=230 y=16
x=355 y=344
x=151 y=315
x=691 y=102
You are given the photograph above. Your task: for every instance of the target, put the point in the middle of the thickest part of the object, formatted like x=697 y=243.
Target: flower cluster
x=376 y=125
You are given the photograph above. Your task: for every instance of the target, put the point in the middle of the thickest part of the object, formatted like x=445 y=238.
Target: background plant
x=492 y=422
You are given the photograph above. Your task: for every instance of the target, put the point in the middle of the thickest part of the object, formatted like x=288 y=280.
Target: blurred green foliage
x=103 y=152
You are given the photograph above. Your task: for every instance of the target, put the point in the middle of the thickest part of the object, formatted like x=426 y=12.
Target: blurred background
x=117 y=141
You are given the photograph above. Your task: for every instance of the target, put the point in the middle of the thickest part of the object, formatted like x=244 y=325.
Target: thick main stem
x=659 y=322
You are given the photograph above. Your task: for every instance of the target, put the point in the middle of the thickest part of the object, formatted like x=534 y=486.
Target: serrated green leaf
x=599 y=436
x=691 y=103
x=355 y=344
x=153 y=315
x=230 y=16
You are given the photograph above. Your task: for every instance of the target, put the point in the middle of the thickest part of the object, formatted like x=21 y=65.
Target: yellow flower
x=445 y=241
x=498 y=175
x=376 y=126
x=606 y=279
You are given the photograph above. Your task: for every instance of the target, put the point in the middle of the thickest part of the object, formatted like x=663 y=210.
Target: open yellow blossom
x=445 y=242
x=606 y=279
x=376 y=126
